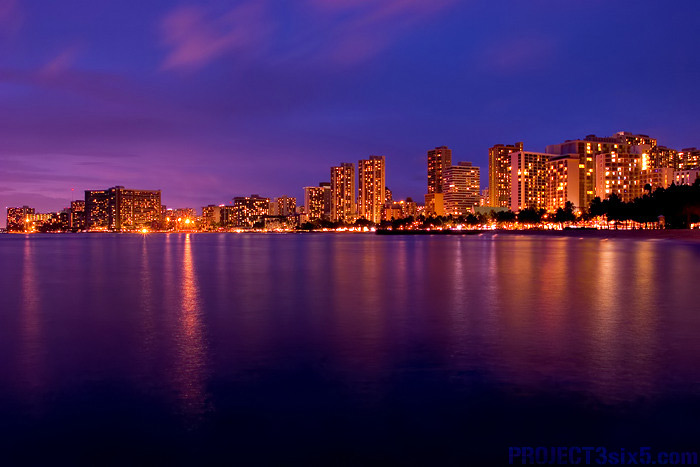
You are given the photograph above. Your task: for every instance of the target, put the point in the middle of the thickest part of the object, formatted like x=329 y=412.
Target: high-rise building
x=136 y=209
x=460 y=188
x=99 y=210
x=122 y=209
x=528 y=180
x=286 y=206
x=211 y=216
x=586 y=150
x=228 y=216
x=343 y=189
x=500 y=173
x=18 y=218
x=64 y=219
x=77 y=215
x=650 y=156
x=661 y=157
x=438 y=159
x=326 y=199
x=250 y=209
x=618 y=173
x=314 y=202
x=372 y=194
x=564 y=174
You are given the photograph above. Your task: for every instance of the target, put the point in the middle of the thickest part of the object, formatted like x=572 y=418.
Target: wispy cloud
x=369 y=26
x=345 y=32
x=196 y=35
x=61 y=62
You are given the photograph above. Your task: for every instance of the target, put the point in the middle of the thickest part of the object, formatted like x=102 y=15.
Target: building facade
x=528 y=180
x=460 y=188
x=314 y=202
x=372 y=193
x=247 y=210
x=438 y=159
x=688 y=158
x=564 y=175
x=686 y=177
x=18 y=218
x=619 y=173
x=211 y=216
x=326 y=199
x=500 y=173
x=283 y=206
x=99 y=210
x=343 y=189
x=122 y=209
x=660 y=177
x=136 y=209
x=77 y=215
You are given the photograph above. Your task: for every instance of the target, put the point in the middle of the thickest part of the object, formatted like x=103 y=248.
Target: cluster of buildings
x=579 y=170
x=127 y=210
x=574 y=171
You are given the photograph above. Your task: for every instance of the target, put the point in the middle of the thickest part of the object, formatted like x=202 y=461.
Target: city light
x=527 y=190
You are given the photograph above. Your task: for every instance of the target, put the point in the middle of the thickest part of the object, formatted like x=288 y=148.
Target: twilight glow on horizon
x=207 y=100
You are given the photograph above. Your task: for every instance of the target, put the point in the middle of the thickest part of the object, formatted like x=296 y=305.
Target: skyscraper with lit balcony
x=438 y=159
x=343 y=189
x=285 y=206
x=77 y=215
x=249 y=209
x=372 y=194
x=99 y=210
x=313 y=202
x=499 y=173
x=122 y=209
x=587 y=149
x=528 y=180
x=460 y=188
x=136 y=209
x=618 y=173
x=564 y=175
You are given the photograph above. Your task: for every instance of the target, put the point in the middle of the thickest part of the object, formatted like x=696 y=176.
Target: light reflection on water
x=31 y=353
x=177 y=316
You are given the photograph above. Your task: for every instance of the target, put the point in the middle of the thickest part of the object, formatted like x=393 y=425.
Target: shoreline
x=693 y=234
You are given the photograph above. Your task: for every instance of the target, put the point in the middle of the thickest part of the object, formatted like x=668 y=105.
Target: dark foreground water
x=341 y=349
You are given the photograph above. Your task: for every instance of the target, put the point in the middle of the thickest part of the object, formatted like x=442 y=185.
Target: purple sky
x=212 y=99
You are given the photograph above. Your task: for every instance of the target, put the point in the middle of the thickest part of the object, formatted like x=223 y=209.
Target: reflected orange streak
x=191 y=342
x=32 y=351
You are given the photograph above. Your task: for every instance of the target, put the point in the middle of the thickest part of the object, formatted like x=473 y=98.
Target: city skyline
x=195 y=99
x=565 y=178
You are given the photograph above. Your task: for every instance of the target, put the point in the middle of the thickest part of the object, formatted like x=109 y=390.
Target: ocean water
x=344 y=349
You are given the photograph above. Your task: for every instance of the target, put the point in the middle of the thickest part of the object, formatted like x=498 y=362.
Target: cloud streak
x=196 y=36
x=345 y=32
x=369 y=27
x=61 y=62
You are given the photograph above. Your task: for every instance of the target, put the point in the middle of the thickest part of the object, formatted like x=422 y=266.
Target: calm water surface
x=344 y=349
